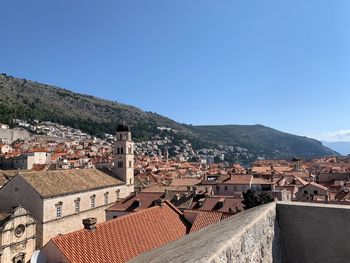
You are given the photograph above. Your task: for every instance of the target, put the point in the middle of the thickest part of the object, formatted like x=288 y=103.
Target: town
x=66 y=196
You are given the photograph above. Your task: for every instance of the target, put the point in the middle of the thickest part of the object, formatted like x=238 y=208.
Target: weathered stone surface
x=289 y=232
x=247 y=237
x=314 y=233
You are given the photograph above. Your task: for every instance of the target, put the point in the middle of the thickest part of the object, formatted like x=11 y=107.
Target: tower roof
x=123 y=128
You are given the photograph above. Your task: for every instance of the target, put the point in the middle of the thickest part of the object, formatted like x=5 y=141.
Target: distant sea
x=341 y=147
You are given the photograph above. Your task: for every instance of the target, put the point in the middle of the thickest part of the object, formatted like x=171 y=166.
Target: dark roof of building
x=136 y=202
x=123 y=238
x=123 y=128
x=3 y=179
x=219 y=203
x=62 y=182
x=4 y=217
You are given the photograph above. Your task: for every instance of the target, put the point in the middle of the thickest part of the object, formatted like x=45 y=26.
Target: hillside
x=26 y=99
x=261 y=140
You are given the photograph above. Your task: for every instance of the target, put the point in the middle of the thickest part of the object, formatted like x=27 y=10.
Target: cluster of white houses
x=37 y=206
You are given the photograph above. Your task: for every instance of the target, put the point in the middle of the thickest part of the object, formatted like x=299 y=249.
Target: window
x=118 y=152
x=130 y=150
x=106 y=198
x=218 y=188
x=59 y=210
x=77 y=205
x=130 y=164
x=225 y=188
x=93 y=199
x=305 y=192
x=315 y=192
x=121 y=150
x=19 y=230
x=130 y=181
x=117 y=194
x=120 y=164
x=120 y=137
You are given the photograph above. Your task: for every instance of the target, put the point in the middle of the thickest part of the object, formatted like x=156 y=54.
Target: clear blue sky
x=284 y=64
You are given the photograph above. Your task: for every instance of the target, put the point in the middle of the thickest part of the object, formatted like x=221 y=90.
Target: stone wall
x=282 y=232
x=12 y=135
x=314 y=233
x=246 y=237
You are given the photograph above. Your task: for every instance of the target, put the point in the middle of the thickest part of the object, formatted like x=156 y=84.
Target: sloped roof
x=4 y=216
x=205 y=218
x=61 y=182
x=239 y=179
x=123 y=238
x=185 y=181
x=136 y=202
x=260 y=181
x=221 y=204
x=3 y=179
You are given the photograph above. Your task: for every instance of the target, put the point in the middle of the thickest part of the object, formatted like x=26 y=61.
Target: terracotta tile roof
x=60 y=182
x=205 y=218
x=136 y=202
x=239 y=179
x=220 y=204
x=260 y=181
x=185 y=181
x=123 y=238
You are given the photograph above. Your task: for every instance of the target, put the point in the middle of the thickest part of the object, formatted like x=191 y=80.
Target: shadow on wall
x=312 y=233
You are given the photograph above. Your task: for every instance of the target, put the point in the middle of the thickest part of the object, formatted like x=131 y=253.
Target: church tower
x=124 y=156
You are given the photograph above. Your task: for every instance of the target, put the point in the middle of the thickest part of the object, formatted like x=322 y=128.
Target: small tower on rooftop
x=296 y=165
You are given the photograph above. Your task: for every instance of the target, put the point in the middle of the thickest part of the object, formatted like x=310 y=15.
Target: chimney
x=90 y=223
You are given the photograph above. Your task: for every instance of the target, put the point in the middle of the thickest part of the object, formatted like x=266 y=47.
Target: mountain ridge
x=27 y=99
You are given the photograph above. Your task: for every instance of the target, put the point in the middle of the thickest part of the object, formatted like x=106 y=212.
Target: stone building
x=60 y=199
x=17 y=236
x=27 y=160
x=124 y=152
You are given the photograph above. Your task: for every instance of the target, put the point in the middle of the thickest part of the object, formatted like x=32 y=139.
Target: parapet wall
x=314 y=232
x=246 y=237
x=283 y=232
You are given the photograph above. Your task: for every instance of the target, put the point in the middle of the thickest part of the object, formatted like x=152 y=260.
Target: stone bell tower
x=124 y=156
